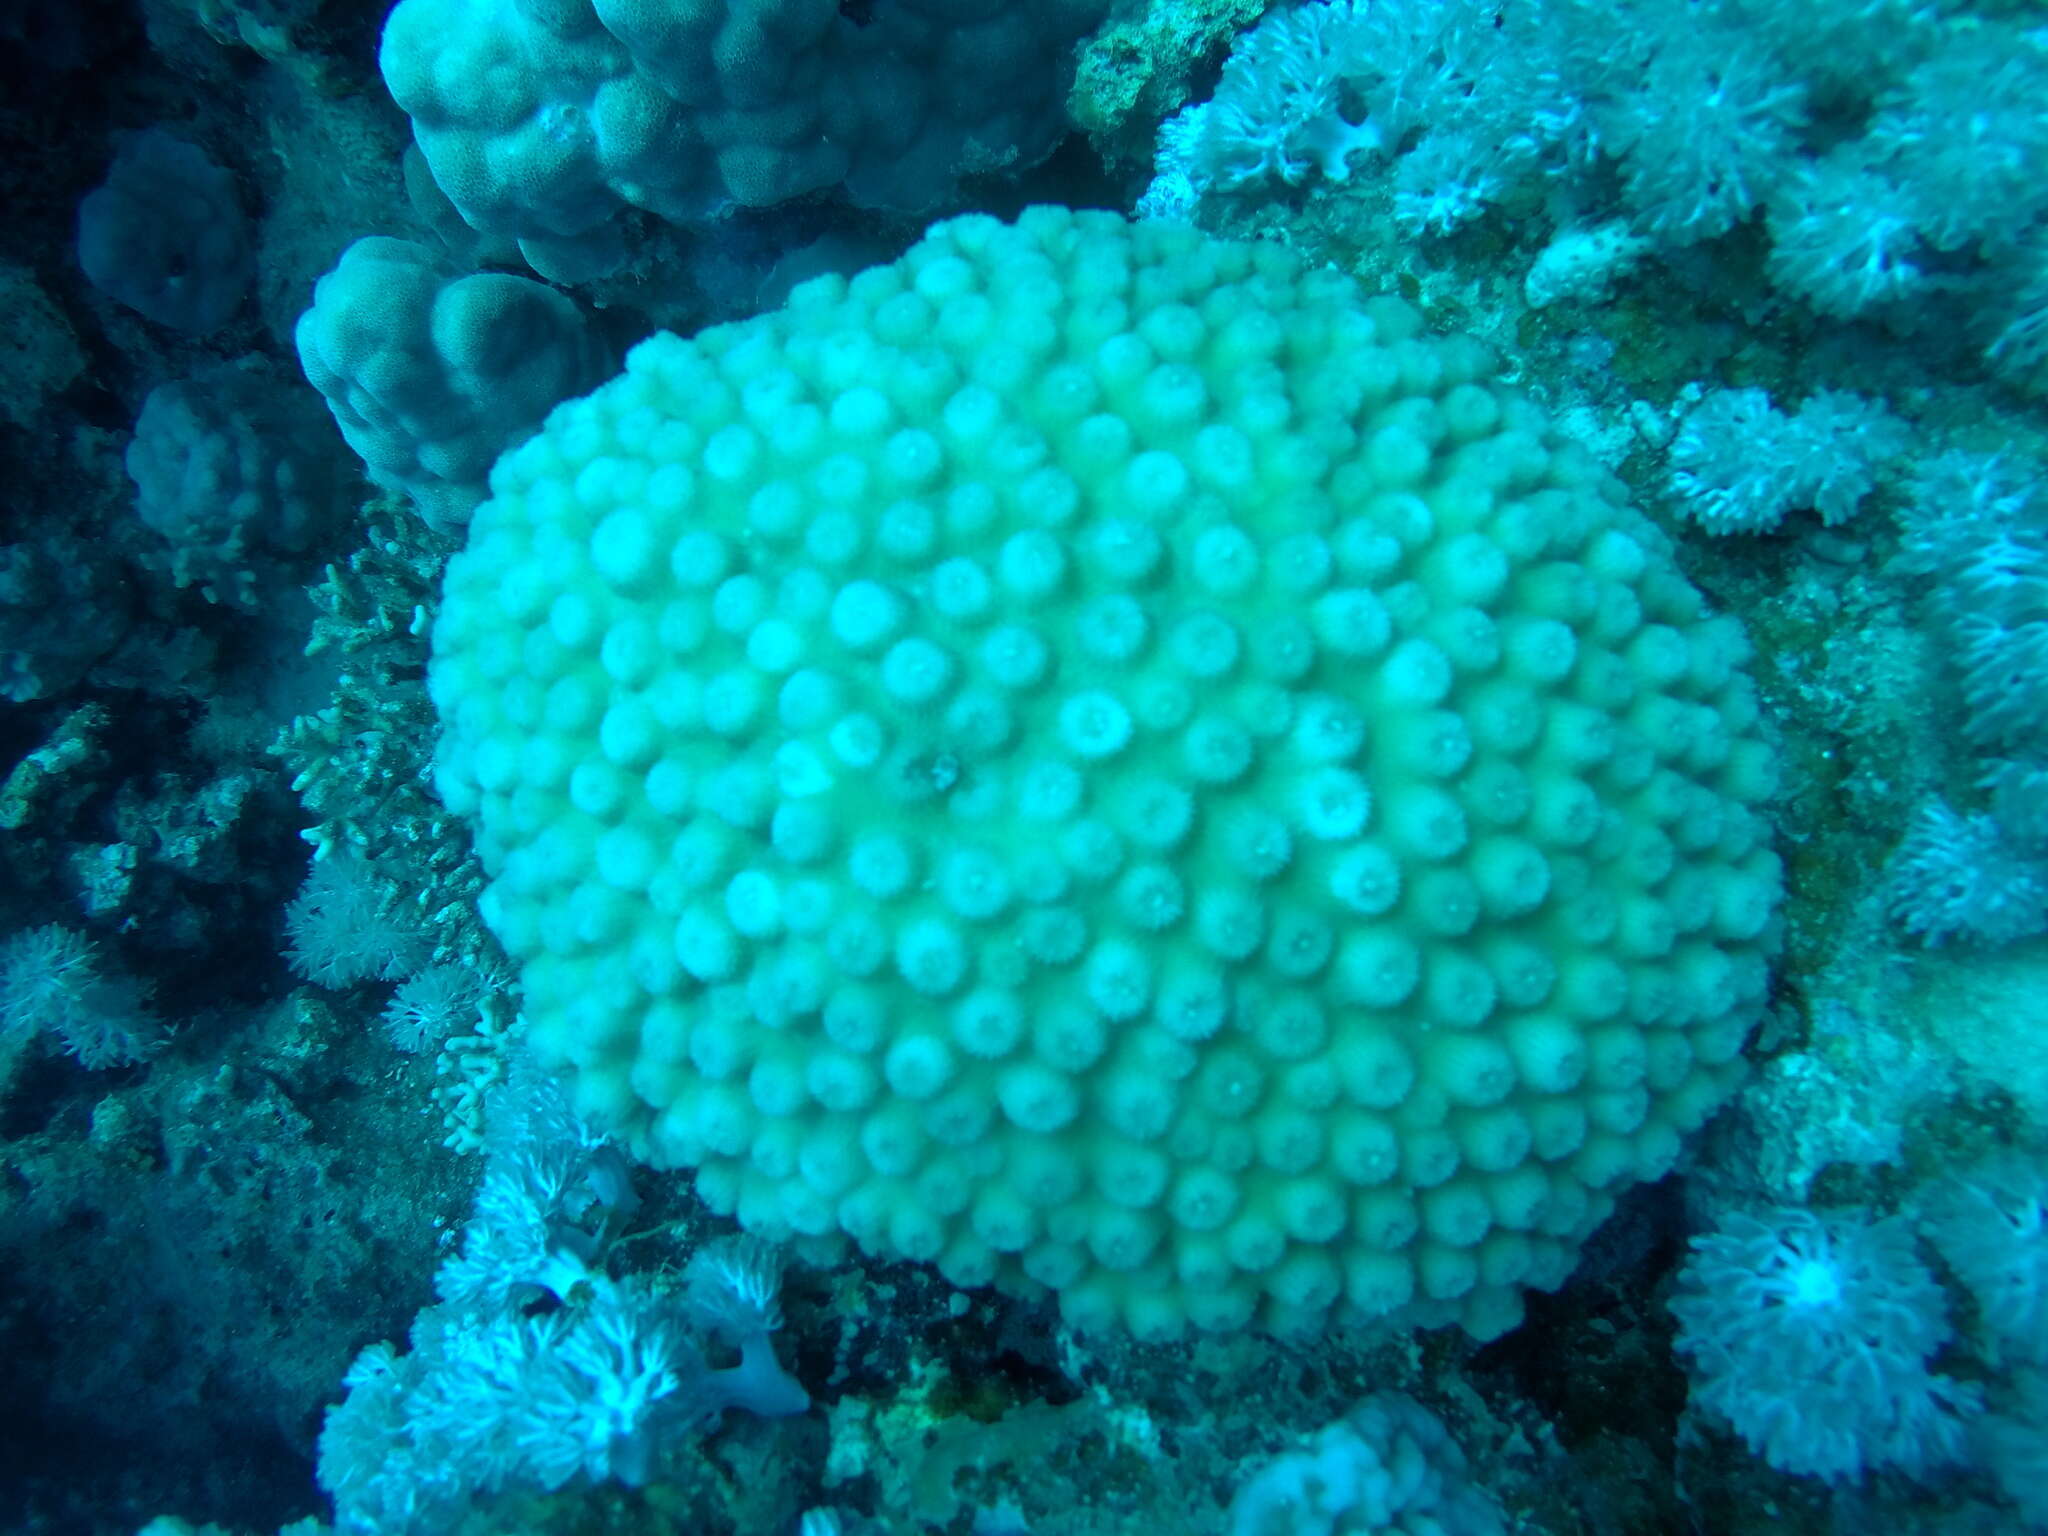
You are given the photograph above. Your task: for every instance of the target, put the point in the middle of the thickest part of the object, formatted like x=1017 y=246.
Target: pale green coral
x=1109 y=761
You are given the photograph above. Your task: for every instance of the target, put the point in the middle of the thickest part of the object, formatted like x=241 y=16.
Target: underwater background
x=892 y=766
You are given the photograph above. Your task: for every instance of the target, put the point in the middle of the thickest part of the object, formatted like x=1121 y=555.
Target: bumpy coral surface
x=1105 y=760
x=545 y=122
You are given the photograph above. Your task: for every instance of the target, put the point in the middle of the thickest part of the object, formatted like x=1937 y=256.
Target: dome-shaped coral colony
x=1099 y=758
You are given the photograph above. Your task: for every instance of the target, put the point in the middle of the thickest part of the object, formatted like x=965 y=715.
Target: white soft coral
x=1812 y=1335
x=1991 y=1225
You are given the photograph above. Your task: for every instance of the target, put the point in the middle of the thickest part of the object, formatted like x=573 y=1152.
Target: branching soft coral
x=1976 y=525
x=342 y=930
x=539 y=1366
x=1990 y=1223
x=1893 y=148
x=1813 y=1335
x=1956 y=876
x=1739 y=464
x=52 y=983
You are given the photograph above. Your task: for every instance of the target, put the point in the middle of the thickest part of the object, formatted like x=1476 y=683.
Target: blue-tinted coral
x=1883 y=141
x=341 y=927
x=1739 y=464
x=1708 y=132
x=548 y=124
x=233 y=468
x=432 y=1005
x=51 y=982
x=1978 y=525
x=1459 y=99
x=62 y=609
x=1813 y=1335
x=1990 y=1223
x=431 y=372
x=1956 y=876
x=599 y=1385
x=165 y=235
x=1388 y=1466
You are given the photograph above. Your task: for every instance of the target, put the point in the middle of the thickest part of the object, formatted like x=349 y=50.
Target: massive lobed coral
x=1106 y=760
